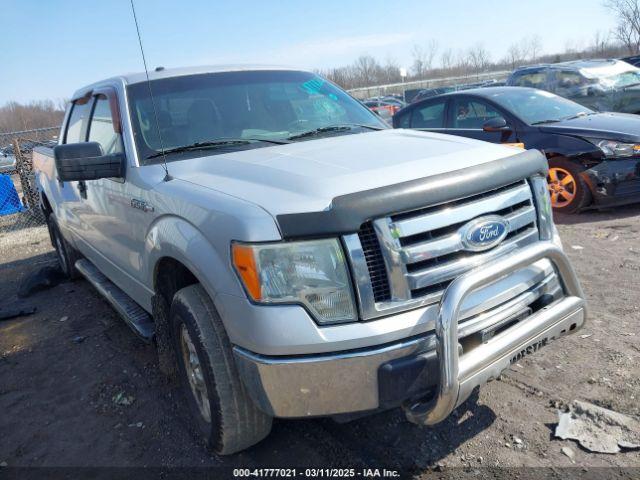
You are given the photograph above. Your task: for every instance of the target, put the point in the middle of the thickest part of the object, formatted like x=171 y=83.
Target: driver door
x=467 y=115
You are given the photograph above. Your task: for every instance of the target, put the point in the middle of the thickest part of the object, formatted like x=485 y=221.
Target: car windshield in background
x=622 y=80
x=261 y=107
x=537 y=107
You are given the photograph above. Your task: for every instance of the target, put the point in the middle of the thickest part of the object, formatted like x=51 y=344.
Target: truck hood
x=305 y=176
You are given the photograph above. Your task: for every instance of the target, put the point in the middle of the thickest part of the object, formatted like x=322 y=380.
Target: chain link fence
x=21 y=220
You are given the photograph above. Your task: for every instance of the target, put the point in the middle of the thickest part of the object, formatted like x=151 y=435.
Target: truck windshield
x=271 y=105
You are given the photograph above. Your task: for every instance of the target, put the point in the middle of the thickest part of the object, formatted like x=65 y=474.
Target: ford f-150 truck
x=292 y=256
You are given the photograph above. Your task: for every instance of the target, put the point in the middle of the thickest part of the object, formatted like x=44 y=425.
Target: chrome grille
x=412 y=256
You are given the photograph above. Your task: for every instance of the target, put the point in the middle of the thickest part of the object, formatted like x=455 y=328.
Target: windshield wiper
x=577 y=115
x=213 y=144
x=332 y=128
x=541 y=122
x=570 y=117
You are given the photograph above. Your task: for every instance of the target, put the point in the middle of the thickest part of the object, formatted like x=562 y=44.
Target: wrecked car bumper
x=615 y=181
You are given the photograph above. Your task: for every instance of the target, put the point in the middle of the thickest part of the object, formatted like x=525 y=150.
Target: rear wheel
x=568 y=190
x=224 y=414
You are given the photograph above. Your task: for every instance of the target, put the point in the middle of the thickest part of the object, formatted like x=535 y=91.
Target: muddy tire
x=219 y=405
x=66 y=254
x=569 y=192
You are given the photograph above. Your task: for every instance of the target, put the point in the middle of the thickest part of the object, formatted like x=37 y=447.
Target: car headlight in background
x=312 y=273
x=617 y=149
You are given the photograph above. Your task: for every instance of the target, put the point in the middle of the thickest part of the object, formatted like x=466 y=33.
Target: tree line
x=15 y=116
x=430 y=61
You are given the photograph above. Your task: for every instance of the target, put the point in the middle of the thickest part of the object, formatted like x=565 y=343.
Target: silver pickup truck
x=291 y=256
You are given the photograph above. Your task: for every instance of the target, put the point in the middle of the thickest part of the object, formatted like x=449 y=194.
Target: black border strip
x=348 y=212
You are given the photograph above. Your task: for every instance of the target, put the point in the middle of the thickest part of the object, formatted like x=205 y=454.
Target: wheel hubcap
x=562 y=187
x=194 y=373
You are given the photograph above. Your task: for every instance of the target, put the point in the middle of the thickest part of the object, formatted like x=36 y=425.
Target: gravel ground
x=61 y=367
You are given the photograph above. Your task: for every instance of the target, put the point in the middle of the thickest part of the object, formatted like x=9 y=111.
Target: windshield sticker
x=313 y=86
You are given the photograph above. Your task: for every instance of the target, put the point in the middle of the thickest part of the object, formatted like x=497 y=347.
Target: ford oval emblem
x=484 y=233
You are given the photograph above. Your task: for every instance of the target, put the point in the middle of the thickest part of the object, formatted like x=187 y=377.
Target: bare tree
x=391 y=71
x=515 y=56
x=15 y=116
x=446 y=59
x=600 y=46
x=531 y=48
x=423 y=56
x=367 y=69
x=462 y=61
x=627 y=30
x=478 y=57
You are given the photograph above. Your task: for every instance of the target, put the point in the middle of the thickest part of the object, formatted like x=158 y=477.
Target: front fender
x=174 y=237
x=572 y=148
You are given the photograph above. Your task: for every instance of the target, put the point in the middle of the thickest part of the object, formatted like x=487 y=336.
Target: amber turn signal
x=245 y=264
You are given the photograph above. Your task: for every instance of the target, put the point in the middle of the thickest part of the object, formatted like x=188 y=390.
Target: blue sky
x=51 y=48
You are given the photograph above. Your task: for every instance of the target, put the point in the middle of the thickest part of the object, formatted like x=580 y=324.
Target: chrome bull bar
x=460 y=374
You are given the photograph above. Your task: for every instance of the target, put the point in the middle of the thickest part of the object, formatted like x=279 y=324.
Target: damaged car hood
x=608 y=126
x=305 y=176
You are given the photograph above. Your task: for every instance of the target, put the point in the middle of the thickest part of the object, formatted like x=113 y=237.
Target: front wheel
x=224 y=414
x=568 y=190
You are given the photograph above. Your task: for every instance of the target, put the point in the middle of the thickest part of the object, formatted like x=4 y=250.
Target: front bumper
x=360 y=380
x=615 y=181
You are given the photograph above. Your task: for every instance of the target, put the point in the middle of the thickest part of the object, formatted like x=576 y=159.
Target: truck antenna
x=167 y=177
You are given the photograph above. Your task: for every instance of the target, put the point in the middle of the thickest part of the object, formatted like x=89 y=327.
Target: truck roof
x=161 y=72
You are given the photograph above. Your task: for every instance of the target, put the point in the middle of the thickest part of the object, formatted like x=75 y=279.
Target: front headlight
x=612 y=148
x=312 y=273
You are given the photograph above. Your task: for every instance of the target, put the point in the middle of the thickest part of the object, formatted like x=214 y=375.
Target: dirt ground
x=62 y=367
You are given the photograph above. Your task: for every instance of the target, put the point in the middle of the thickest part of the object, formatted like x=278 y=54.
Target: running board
x=136 y=317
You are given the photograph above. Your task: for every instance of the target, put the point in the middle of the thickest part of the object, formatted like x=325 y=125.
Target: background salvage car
x=594 y=158
x=602 y=85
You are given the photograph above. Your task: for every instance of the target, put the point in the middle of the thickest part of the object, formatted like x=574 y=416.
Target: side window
x=429 y=116
x=471 y=114
x=77 y=122
x=569 y=83
x=403 y=121
x=535 y=79
x=569 y=78
x=101 y=128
